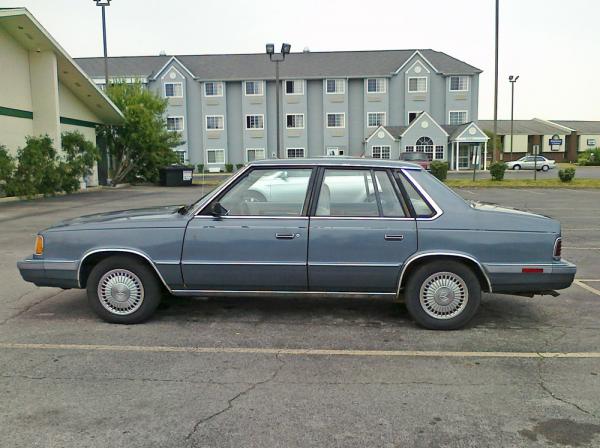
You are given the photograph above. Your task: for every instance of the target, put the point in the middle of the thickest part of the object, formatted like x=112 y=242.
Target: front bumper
x=510 y=278
x=56 y=273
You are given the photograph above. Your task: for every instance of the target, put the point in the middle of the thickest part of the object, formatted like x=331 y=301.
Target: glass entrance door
x=464 y=154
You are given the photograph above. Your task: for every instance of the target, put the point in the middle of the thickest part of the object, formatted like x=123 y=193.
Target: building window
x=439 y=152
x=334 y=151
x=182 y=156
x=376 y=85
x=294 y=87
x=255 y=121
x=215 y=122
x=336 y=120
x=335 y=86
x=295 y=121
x=295 y=153
x=175 y=124
x=417 y=84
x=213 y=88
x=425 y=144
x=412 y=116
x=255 y=154
x=459 y=83
x=380 y=152
x=253 y=88
x=409 y=148
x=173 y=90
x=375 y=119
x=215 y=156
x=457 y=117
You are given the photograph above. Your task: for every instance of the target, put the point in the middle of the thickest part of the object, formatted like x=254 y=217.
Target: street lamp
x=512 y=79
x=496 y=155
x=277 y=58
x=104 y=4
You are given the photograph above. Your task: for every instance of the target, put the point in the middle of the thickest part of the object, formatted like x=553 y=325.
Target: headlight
x=39 y=245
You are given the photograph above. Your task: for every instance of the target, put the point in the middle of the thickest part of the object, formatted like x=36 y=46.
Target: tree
x=142 y=144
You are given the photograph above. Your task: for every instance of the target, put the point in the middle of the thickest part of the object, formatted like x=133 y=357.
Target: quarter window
x=214 y=122
x=294 y=87
x=335 y=120
x=255 y=122
x=375 y=119
x=213 y=88
x=175 y=124
x=376 y=85
x=335 y=86
x=253 y=88
x=457 y=117
x=173 y=90
x=417 y=84
x=422 y=208
x=295 y=153
x=381 y=152
x=295 y=121
x=215 y=156
x=459 y=83
x=268 y=192
x=253 y=154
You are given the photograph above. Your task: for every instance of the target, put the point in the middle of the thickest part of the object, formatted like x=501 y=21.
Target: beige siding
x=583 y=142
x=73 y=107
x=13 y=132
x=14 y=74
x=519 y=144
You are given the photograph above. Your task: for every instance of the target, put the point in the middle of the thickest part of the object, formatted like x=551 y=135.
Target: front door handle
x=286 y=236
x=394 y=237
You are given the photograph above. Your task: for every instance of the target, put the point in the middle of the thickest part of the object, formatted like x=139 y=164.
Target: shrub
x=590 y=157
x=229 y=167
x=239 y=166
x=80 y=155
x=7 y=168
x=566 y=175
x=497 y=170
x=200 y=168
x=439 y=169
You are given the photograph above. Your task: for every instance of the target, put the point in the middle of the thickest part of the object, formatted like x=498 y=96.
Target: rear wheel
x=442 y=295
x=517 y=167
x=123 y=290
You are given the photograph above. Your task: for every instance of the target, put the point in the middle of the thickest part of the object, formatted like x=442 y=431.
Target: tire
x=516 y=167
x=442 y=276
x=545 y=168
x=135 y=292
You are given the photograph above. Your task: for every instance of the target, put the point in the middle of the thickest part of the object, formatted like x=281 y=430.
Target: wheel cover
x=120 y=292
x=444 y=295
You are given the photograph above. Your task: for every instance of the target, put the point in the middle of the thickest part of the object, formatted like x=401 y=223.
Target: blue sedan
x=308 y=227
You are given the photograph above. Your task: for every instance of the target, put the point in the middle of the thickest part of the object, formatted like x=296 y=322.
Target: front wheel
x=517 y=167
x=442 y=295
x=123 y=290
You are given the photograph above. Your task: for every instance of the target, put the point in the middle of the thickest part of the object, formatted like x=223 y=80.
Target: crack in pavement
x=234 y=398
x=30 y=306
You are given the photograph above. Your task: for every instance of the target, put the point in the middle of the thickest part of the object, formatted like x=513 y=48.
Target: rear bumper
x=57 y=273
x=510 y=278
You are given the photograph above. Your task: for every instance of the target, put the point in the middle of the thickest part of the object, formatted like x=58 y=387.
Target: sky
x=551 y=44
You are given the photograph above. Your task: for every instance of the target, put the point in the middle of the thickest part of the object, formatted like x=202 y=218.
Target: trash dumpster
x=176 y=176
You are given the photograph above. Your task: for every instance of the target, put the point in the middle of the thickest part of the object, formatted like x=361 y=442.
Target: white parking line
x=299 y=351
x=587 y=287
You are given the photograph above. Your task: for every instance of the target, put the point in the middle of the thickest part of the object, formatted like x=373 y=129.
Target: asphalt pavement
x=294 y=373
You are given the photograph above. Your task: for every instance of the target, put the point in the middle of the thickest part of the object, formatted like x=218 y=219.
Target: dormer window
x=173 y=90
x=417 y=84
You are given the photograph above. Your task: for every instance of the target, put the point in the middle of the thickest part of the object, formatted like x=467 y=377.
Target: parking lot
x=311 y=372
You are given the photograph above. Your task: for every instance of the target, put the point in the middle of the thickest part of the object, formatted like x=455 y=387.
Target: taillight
x=557 y=248
x=39 y=245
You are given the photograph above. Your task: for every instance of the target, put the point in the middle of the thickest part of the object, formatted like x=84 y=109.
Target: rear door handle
x=394 y=237
x=286 y=236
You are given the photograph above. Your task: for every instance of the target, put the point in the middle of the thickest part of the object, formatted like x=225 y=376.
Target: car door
x=259 y=239
x=361 y=232
x=529 y=163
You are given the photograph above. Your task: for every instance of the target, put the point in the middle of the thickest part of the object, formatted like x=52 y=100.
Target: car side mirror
x=218 y=210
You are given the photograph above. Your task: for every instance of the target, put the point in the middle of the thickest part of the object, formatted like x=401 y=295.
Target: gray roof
x=582 y=127
x=351 y=64
x=522 y=127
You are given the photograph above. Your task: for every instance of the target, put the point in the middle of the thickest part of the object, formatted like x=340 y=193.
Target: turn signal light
x=39 y=245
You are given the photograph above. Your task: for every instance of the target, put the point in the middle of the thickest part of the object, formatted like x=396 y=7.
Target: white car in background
x=529 y=163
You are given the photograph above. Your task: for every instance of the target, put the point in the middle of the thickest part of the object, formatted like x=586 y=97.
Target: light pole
x=277 y=58
x=512 y=79
x=104 y=4
x=496 y=155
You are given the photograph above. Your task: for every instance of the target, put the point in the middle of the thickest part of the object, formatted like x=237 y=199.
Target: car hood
x=504 y=218
x=165 y=216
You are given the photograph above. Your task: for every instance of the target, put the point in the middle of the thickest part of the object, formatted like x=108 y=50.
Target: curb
x=41 y=196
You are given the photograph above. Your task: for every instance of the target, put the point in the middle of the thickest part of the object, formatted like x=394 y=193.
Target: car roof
x=339 y=161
